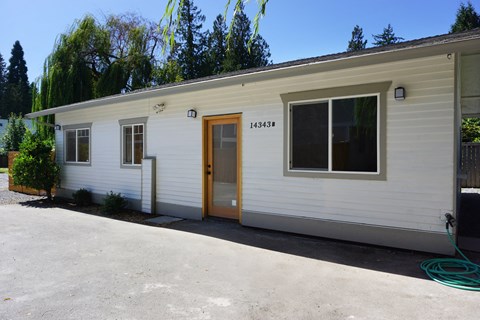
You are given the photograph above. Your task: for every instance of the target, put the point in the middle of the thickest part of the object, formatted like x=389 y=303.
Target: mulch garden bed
x=94 y=209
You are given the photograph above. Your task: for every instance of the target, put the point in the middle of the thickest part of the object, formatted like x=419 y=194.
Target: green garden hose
x=456 y=273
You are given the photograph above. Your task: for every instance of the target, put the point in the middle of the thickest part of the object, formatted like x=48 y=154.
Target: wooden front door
x=222 y=168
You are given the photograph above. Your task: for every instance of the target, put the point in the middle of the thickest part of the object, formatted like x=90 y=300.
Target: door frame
x=205 y=137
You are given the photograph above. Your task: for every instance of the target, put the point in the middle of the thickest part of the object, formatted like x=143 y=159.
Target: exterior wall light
x=399 y=93
x=159 y=107
x=58 y=127
x=192 y=113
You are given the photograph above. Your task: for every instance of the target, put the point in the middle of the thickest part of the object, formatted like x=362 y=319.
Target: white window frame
x=330 y=100
x=76 y=129
x=132 y=123
x=380 y=89
x=133 y=164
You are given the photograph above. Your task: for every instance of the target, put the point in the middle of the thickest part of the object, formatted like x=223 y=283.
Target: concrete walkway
x=59 y=264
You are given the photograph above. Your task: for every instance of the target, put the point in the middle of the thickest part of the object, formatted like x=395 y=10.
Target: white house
x=360 y=146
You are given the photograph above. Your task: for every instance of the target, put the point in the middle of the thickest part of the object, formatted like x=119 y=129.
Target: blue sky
x=293 y=29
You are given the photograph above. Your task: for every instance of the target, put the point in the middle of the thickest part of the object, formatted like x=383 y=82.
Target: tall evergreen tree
x=217 y=46
x=191 y=41
x=386 y=37
x=3 y=83
x=467 y=18
x=357 y=43
x=173 y=20
x=17 y=98
x=239 y=54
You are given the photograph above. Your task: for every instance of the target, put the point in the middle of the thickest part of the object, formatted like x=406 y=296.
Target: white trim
x=77 y=162
x=330 y=100
x=132 y=125
x=330 y=136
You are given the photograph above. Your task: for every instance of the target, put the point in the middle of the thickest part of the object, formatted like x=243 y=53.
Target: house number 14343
x=260 y=124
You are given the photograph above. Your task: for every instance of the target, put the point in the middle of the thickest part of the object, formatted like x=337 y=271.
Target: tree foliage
x=14 y=133
x=467 y=18
x=356 y=43
x=168 y=72
x=217 y=51
x=94 y=60
x=217 y=45
x=191 y=40
x=124 y=53
x=173 y=19
x=240 y=54
x=3 y=84
x=471 y=130
x=34 y=166
x=17 y=97
x=386 y=37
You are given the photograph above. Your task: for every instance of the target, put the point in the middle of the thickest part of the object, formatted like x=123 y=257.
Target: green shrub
x=82 y=197
x=113 y=203
x=35 y=166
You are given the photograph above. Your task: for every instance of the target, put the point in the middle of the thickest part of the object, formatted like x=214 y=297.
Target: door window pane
x=225 y=165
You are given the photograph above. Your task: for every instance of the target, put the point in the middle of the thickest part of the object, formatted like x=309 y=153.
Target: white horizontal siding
x=420 y=167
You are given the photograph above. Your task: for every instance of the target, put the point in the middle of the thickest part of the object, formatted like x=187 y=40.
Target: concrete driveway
x=59 y=264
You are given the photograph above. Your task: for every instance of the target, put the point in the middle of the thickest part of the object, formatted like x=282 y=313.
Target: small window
x=77 y=145
x=132 y=144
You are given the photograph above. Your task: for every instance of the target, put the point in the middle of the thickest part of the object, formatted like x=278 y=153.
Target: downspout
x=457 y=138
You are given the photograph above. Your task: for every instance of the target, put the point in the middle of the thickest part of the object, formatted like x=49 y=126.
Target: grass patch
x=3 y=170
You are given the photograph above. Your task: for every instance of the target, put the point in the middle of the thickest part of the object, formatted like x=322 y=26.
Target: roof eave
x=332 y=62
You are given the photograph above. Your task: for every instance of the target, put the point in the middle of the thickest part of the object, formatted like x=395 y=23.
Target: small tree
x=35 y=167
x=467 y=18
x=386 y=37
x=14 y=134
x=357 y=43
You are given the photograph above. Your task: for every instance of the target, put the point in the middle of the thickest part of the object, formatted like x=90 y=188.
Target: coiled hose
x=456 y=273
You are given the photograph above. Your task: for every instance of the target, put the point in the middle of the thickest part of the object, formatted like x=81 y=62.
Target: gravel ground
x=10 y=197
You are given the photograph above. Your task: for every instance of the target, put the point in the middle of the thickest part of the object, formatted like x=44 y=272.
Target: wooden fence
x=12 y=187
x=471 y=165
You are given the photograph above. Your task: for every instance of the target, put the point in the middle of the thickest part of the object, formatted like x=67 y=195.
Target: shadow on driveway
x=364 y=256
x=389 y=260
